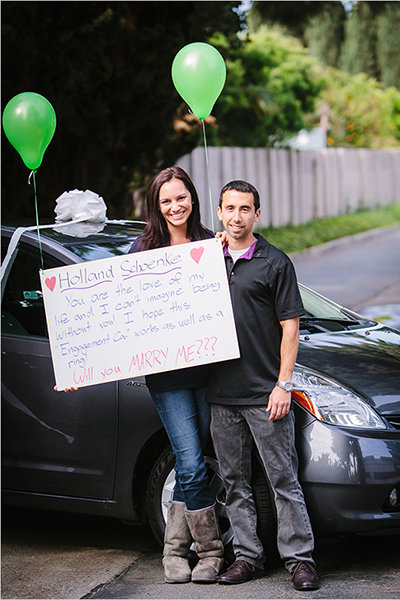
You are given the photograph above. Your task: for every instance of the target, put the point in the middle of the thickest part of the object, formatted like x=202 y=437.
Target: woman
x=173 y=217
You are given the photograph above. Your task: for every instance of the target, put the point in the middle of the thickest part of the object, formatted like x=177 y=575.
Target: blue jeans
x=234 y=429
x=185 y=415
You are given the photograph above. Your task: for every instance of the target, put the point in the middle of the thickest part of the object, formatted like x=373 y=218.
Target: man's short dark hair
x=241 y=186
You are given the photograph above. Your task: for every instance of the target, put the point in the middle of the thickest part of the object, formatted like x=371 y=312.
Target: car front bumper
x=347 y=477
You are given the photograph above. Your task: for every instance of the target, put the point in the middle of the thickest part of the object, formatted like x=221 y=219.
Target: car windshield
x=321 y=314
x=103 y=241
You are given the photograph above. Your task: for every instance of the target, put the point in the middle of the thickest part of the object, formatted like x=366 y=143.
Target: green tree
x=388 y=44
x=106 y=69
x=272 y=87
x=363 y=39
x=294 y=16
x=324 y=33
x=362 y=111
x=372 y=41
x=359 y=49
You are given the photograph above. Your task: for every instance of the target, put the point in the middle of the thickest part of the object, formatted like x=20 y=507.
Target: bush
x=362 y=113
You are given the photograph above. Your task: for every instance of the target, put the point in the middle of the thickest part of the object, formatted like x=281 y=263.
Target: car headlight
x=332 y=403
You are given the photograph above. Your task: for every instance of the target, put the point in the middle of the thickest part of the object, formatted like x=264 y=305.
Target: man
x=250 y=397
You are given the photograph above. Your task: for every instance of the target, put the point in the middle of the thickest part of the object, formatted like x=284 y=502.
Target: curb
x=343 y=241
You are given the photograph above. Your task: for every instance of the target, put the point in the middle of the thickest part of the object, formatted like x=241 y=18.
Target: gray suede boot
x=177 y=542
x=203 y=525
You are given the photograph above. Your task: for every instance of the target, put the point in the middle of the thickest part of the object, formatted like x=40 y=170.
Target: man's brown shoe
x=240 y=572
x=304 y=577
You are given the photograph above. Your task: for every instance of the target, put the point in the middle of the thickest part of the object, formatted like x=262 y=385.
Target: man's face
x=238 y=215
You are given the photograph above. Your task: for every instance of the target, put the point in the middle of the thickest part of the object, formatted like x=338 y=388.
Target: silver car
x=103 y=450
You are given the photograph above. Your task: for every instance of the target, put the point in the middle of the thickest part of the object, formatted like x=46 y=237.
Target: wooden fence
x=297 y=186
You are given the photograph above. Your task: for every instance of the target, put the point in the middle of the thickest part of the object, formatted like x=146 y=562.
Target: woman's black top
x=179 y=379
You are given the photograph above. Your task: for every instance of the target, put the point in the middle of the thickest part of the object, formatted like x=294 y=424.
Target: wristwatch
x=285 y=385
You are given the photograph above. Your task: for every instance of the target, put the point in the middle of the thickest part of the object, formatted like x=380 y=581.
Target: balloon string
x=32 y=176
x=208 y=175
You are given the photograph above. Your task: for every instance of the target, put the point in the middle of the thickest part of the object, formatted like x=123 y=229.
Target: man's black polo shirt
x=264 y=291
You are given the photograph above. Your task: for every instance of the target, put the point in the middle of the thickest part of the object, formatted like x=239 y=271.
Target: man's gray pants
x=233 y=429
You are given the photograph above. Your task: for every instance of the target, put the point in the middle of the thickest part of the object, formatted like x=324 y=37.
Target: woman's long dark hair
x=156 y=234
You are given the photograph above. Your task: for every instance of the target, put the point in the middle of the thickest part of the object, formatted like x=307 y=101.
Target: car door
x=52 y=442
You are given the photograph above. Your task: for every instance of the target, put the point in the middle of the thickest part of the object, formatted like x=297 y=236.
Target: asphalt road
x=56 y=555
x=361 y=272
x=350 y=568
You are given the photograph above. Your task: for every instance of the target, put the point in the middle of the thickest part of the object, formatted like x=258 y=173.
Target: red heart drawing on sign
x=51 y=283
x=197 y=253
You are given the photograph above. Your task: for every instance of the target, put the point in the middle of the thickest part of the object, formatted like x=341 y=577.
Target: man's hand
x=279 y=404
x=223 y=237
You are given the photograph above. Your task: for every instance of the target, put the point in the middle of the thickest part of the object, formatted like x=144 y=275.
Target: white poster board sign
x=139 y=313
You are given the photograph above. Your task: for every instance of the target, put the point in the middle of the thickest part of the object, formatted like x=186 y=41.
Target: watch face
x=286 y=385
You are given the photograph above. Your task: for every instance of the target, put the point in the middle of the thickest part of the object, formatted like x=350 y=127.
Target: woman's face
x=175 y=202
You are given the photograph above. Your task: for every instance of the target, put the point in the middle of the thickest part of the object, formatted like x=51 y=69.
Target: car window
x=22 y=307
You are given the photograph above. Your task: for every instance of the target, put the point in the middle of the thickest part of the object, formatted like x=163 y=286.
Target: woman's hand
x=70 y=389
x=223 y=236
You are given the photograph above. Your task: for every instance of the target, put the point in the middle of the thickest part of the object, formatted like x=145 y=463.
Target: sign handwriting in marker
x=171 y=314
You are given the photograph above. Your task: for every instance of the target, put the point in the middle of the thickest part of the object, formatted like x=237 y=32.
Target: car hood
x=365 y=360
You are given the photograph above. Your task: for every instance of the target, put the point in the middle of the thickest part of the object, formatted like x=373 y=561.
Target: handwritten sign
x=140 y=313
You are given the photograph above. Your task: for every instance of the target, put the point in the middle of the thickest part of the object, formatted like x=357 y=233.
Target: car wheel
x=160 y=488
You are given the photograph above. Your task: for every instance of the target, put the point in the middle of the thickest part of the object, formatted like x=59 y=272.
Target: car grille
x=394 y=420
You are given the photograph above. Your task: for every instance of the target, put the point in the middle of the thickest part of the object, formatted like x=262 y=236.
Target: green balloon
x=199 y=73
x=29 y=122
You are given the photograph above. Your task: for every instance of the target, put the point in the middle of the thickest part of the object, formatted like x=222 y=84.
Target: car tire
x=159 y=491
